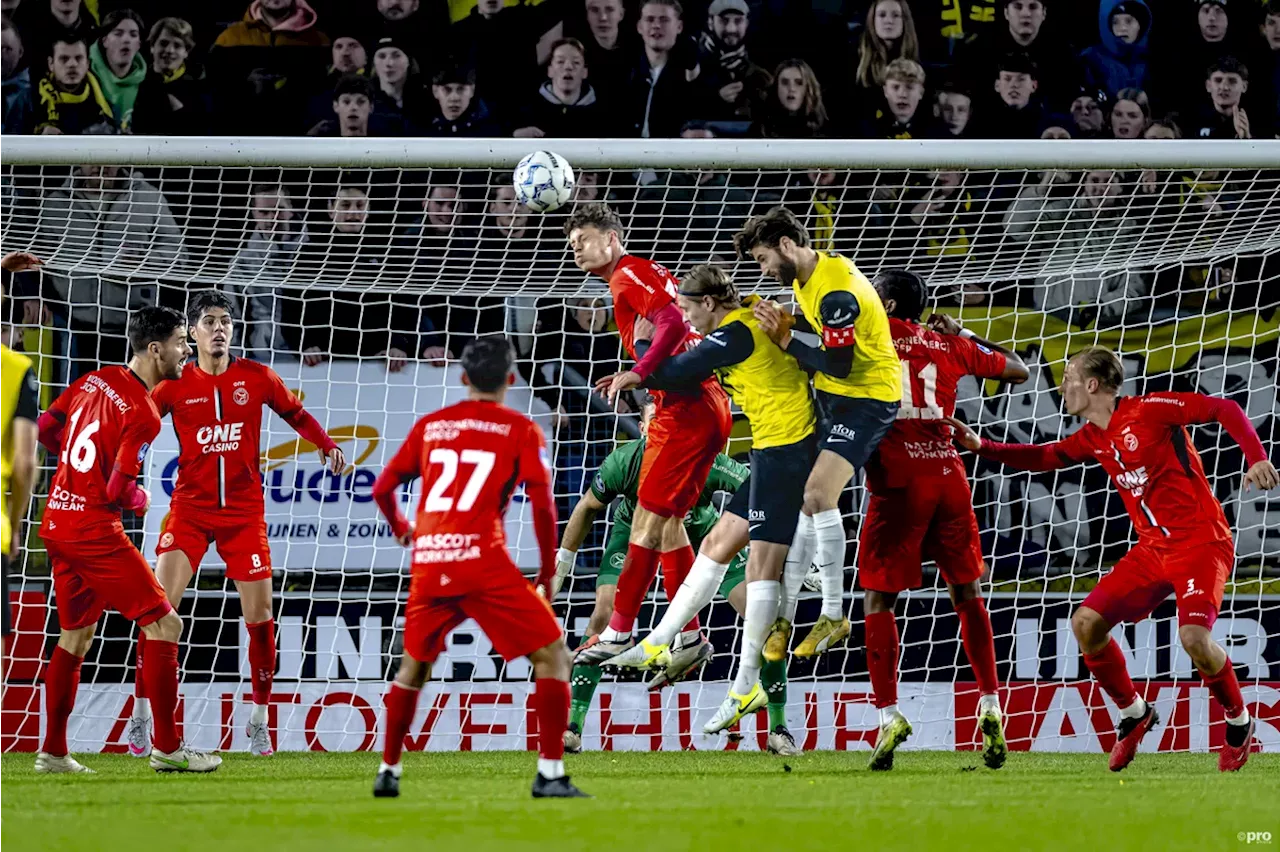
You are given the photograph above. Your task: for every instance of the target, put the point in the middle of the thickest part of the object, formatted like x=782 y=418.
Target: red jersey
x=1148 y=454
x=218 y=420
x=643 y=288
x=471 y=456
x=919 y=443
x=107 y=423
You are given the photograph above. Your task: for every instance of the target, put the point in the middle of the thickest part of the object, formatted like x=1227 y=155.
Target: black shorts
x=7 y=618
x=776 y=489
x=852 y=427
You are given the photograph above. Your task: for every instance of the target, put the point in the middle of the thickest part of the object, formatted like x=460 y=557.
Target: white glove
x=564 y=567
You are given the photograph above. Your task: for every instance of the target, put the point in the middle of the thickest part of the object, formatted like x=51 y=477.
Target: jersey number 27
x=448 y=459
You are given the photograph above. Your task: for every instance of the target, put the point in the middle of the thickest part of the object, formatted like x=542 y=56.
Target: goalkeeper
x=619 y=476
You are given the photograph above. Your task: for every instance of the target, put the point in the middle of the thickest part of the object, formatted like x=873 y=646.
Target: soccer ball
x=543 y=181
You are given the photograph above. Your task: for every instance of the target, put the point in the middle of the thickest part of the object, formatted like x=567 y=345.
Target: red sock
x=882 y=657
x=1109 y=669
x=401 y=703
x=140 y=682
x=1226 y=688
x=61 y=680
x=633 y=584
x=675 y=567
x=979 y=644
x=161 y=672
x=551 y=704
x=262 y=658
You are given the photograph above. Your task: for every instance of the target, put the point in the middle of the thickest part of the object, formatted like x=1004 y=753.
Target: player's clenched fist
x=965 y=436
x=1263 y=475
x=774 y=321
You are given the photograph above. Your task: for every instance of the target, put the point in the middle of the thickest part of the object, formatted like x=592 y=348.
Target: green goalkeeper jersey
x=619 y=476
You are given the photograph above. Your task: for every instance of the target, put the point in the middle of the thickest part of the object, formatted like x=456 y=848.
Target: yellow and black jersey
x=856 y=358
x=766 y=383
x=19 y=398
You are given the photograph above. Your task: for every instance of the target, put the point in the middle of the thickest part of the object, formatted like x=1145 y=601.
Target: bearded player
x=99 y=429
x=921 y=507
x=1184 y=542
x=857 y=385
x=471 y=456
x=217 y=416
x=689 y=428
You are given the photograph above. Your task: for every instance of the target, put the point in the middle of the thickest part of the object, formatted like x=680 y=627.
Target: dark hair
x=905 y=288
x=152 y=325
x=455 y=74
x=596 y=215
x=487 y=361
x=112 y=19
x=353 y=84
x=206 y=299
x=68 y=40
x=1018 y=63
x=768 y=231
x=1228 y=65
x=708 y=280
x=568 y=42
x=1099 y=362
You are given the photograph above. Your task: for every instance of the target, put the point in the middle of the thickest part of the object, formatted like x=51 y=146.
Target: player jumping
x=858 y=384
x=1184 y=542
x=471 y=456
x=217 y=415
x=689 y=429
x=101 y=427
x=921 y=507
x=619 y=476
x=773 y=392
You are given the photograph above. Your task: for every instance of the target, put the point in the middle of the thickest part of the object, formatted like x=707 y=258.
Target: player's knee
x=1198 y=642
x=1090 y=629
x=168 y=628
x=77 y=642
x=879 y=602
x=964 y=593
x=552 y=661
x=413 y=673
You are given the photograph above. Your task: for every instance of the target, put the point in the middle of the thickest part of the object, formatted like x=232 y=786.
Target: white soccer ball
x=543 y=181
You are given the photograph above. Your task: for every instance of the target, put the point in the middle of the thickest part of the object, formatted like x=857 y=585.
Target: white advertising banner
x=322 y=521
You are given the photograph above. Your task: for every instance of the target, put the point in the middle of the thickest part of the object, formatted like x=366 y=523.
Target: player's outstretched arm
x=575 y=532
x=1014 y=372
x=534 y=472
x=284 y=402
x=1037 y=457
x=724 y=347
x=1184 y=409
x=402 y=468
x=670 y=331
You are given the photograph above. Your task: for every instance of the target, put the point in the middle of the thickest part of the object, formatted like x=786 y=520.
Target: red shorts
x=241 y=542
x=684 y=439
x=903 y=527
x=514 y=617
x=1148 y=574
x=89 y=576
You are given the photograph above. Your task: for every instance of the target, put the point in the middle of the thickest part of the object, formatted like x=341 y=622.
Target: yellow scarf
x=51 y=98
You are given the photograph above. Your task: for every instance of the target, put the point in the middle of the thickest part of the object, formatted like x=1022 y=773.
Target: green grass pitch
x=667 y=801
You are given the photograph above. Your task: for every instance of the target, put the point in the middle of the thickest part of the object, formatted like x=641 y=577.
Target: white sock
x=611 y=635
x=887 y=713
x=1242 y=719
x=697 y=590
x=258 y=716
x=829 y=553
x=142 y=708
x=550 y=769
x=799 y=558
x=988 y=701
x=763 y=597
x=394 y=770
x=1134 y=710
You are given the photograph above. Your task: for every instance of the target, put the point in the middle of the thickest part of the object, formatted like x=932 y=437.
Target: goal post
x=360 y=267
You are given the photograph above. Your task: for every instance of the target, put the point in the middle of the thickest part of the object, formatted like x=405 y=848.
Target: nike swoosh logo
x=833 y=440
x=716 y=340
x=753 y=527
x=177 y=764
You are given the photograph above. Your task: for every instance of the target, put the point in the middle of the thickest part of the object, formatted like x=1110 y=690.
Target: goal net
x=360 y=268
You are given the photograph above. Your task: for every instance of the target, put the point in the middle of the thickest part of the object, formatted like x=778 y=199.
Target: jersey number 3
x=448 y=460
x=924 y=383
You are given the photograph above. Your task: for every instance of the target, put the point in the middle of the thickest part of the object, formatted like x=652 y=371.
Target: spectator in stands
x=730 y=86
x=795 y=109
x=1130 y=114
x=171 y=41
x=1087 y=118
x=1017 y=112
x=901 y=116
x=500 y=42
x=266 y=65
x=352 y=108
x=42 y=22
x=1162 y=128
x=1055 y=132
x=1177 y=73
x=1085 y=226
x=1119 y=60
x=1026 y=31
x=566 y=106
x=944 y=210
x=69 y=99
x=266 y=259
x=1267 y=65
x=888 y=34
x=347 y=55
x=658 y=95
x=1220 y=115
x=609 y=47
x=138 y=104
x=425 y=30
x=105 y=217
x=953 y=110
x=400 y=100
x=18 y=107
x=459 y=112
x=437 y=240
